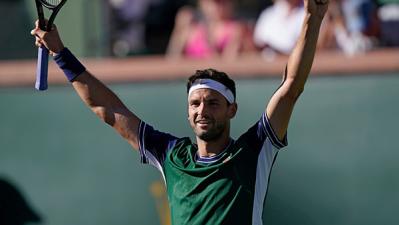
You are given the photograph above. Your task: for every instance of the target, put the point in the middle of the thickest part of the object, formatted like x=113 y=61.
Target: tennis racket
x=42 y=56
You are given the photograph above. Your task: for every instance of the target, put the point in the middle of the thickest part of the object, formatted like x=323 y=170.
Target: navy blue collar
x=212 y=159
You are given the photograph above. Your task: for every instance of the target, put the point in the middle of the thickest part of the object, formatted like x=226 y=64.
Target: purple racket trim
x=42 y=69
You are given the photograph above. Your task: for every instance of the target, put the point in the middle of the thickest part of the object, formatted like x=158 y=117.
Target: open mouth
x=203 y=122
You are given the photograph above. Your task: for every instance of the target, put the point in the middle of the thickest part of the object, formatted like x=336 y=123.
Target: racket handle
x=42 y=69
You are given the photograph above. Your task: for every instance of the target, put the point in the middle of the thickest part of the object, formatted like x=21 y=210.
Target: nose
x=202 y=109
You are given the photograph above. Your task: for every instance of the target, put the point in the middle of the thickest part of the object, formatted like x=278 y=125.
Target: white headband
x=214 y=85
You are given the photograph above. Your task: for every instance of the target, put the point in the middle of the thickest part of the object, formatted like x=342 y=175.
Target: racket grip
x=42 y=69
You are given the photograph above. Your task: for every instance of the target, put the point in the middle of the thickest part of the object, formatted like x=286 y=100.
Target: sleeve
x=154 y=145
x=268 y=130
x=261 y=132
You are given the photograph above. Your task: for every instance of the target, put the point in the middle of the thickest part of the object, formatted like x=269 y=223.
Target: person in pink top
x=207 y=32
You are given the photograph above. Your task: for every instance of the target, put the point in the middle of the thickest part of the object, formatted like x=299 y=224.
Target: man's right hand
x=51 y=40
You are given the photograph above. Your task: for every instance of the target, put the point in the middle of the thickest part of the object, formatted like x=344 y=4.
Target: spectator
x=128 y=23
x=206 y=32
x=361 y=26
x=352 y=25
x=279 y=26
x=388 y=13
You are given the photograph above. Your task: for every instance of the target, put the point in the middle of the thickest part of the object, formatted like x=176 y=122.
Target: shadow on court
x=14 y=208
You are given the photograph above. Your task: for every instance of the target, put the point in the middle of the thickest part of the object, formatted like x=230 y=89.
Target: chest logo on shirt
x=227 y=159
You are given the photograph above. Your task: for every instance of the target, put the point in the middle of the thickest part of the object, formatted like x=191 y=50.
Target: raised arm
x=99 y=98
x=280 y=106
x=108 y=107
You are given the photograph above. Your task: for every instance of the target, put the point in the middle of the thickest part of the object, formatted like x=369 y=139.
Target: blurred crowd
x=203 y=29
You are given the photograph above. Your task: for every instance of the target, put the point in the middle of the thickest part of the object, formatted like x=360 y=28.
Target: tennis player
x=216 y=180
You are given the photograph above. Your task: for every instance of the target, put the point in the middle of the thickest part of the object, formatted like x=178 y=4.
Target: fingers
x=48 y=39
x=37 y=25
x=38 y=43
x=38 y=37
x=39 y=34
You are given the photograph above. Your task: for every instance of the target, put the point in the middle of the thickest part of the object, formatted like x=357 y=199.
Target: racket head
x=52 y=4
x=55 y=6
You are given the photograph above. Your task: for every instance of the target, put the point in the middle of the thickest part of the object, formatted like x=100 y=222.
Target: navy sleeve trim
x=272 y=135
x=143 y=156
x=154 y=145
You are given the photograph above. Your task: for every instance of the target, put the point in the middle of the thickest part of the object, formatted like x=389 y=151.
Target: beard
x=213 y=133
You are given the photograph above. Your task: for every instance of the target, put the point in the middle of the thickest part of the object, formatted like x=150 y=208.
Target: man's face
x=209 y=113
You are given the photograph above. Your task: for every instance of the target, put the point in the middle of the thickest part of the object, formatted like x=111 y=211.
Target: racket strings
x=51 y=3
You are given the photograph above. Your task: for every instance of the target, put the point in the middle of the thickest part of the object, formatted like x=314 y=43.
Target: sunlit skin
x=216 y=125
x=209 y=115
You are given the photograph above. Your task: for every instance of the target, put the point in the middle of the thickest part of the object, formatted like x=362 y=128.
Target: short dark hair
x=213 y=74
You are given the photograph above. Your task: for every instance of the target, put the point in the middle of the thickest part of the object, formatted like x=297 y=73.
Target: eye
x=194 y=103
x=214 y=103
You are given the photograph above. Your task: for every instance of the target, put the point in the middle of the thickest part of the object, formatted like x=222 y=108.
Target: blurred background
x=60 y=165
x=103 y=28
